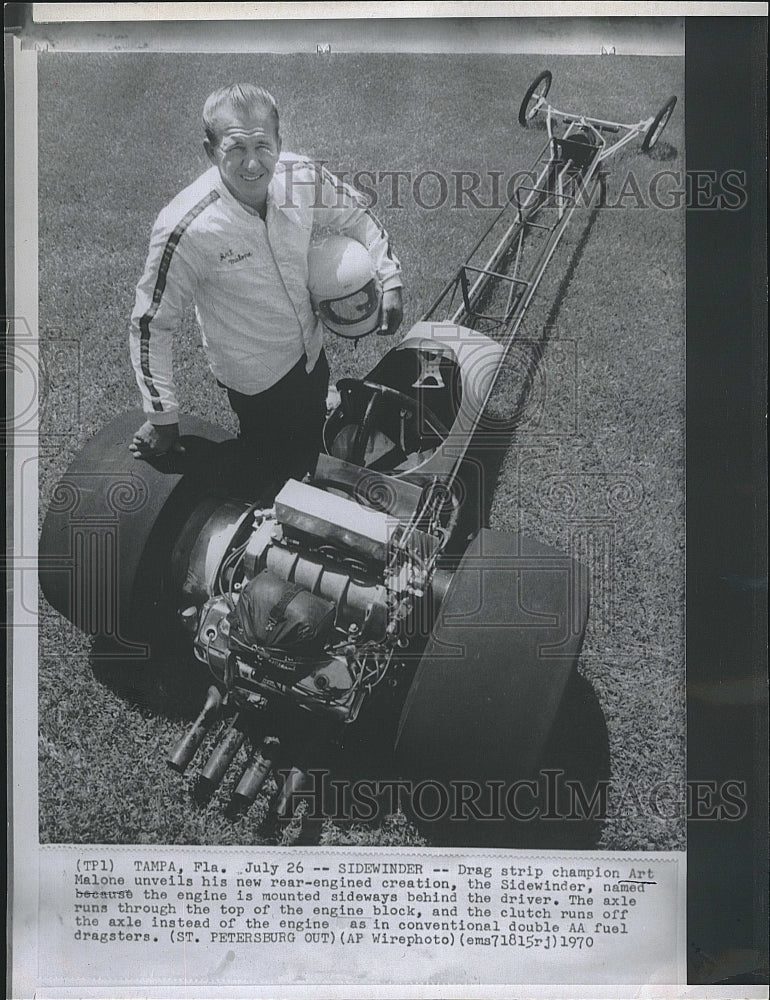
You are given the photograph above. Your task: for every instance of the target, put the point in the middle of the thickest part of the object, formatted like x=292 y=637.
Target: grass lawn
x=596 y=467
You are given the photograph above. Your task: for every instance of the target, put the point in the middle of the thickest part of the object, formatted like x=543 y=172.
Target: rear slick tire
x=112 y=523
x=486 y=703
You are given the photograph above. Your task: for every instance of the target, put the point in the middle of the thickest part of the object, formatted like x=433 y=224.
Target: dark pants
x=281 y=427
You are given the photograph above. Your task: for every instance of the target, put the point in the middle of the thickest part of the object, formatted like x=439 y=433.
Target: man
x=235 y=244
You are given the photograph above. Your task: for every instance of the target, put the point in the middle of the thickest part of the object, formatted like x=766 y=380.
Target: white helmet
x=344 y=287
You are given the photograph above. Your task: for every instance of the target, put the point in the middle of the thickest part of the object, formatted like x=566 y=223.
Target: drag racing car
x=370 y=595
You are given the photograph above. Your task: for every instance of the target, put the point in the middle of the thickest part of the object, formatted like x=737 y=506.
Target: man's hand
x=392 y=311
x=152 y=440
x=333 y=399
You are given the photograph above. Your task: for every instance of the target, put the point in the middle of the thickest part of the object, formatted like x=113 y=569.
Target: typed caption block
x=115 y=915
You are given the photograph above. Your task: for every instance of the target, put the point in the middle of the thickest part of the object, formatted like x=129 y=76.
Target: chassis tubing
x=111 y=523
x=485 y=698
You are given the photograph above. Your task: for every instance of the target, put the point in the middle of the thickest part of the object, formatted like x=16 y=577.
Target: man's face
x=246 y=155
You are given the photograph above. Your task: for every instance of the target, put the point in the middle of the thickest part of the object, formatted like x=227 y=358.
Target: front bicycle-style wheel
x=534 y=97
x=659 y=122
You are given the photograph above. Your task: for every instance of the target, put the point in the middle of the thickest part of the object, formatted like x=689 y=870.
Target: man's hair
x=243 y=99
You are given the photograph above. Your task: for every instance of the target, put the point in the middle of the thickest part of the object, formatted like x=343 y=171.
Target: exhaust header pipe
x=254 y=777
x=184 y=751
x=222 y=757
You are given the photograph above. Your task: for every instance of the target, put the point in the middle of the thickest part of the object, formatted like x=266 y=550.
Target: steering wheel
x=424 y=418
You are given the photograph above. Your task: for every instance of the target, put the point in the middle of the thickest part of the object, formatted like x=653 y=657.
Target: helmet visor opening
x=352 y=308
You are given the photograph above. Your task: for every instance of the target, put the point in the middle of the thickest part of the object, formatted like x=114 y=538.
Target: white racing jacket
x=246 y=278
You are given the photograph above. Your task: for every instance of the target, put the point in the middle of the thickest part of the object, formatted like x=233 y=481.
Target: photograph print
x=362 y=449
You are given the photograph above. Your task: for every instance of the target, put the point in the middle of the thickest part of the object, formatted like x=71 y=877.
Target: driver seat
x=378 y=448
x=382 y=444
x=393 y=444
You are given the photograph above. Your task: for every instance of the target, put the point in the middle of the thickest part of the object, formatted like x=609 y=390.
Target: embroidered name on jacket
x=231 y=257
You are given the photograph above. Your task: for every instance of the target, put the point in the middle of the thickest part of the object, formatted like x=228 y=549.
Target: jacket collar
x=277 y=200
x=276 y=194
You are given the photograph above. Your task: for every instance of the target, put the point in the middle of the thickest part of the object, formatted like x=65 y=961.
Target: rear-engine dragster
x=367 y=587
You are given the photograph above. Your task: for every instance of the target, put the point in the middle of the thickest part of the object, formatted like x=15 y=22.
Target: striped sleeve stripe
x=383 y=234
x=342 y=188
x=160 y=285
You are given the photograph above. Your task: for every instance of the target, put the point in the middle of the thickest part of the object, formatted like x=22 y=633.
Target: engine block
x=368 y=563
